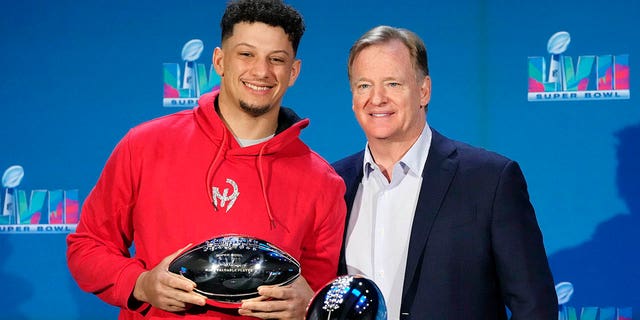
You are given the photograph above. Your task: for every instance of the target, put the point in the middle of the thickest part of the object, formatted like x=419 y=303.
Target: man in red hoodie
x=233 y=165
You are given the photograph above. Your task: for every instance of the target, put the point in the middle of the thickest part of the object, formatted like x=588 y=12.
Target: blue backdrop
x=77 y=75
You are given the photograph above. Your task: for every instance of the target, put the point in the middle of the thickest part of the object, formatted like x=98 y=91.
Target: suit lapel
x=439 y=170
x=351 y=172
x=352 y=180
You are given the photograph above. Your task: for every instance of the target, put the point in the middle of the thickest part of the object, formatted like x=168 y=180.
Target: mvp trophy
x=229 y=268
x=350 y=297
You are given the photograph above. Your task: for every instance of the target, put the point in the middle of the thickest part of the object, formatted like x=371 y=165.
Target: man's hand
x=165 y=290
x=286 y=302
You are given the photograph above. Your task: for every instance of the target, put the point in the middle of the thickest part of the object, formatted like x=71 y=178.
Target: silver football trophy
x=10 y=181
x=351 y=297
x=190 y=53
x=556 y=46
x=230 y=268
x=564 y=290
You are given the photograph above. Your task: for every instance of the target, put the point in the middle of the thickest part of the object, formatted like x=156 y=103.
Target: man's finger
x=266 y=309
x=275 y=292
x=167 y=260
x=262 y=315
x=265 y=306
x=258 y=298
x=178 y=281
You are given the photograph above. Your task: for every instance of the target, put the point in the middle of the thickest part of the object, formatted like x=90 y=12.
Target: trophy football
x=351 y=297
x=230 y=268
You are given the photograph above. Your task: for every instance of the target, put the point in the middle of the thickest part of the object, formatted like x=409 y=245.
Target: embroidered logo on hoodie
x=225 y=199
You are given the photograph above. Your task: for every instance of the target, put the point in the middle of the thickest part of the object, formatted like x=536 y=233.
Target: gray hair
x=384 y=34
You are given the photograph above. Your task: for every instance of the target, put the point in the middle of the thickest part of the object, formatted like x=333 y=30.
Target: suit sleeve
x=98 y=252
x=522 y=266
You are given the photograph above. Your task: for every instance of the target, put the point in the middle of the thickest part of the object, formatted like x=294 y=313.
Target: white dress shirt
x=379 y=227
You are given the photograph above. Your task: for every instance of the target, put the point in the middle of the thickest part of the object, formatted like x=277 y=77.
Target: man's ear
x=217 y=61
x=425 y=91
x=295 y=71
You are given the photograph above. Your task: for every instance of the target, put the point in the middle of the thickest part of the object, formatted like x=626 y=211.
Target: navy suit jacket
x=475 y=242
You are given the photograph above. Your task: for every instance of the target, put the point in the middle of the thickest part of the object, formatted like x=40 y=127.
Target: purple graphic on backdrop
x=602 y=77
x=45 y=211
x=184 y=91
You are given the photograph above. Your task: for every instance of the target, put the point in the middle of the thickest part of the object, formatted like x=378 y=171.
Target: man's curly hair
x=271 y=12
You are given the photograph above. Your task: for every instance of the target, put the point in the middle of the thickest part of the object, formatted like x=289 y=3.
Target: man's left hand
x=285 y=302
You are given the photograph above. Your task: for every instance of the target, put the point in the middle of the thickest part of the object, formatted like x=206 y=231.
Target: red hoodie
x=182 y=179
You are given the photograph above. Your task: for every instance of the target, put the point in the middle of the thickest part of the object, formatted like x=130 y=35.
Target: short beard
x=254 y=110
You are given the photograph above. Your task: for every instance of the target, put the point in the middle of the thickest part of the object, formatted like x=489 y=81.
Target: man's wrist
x=138 y=293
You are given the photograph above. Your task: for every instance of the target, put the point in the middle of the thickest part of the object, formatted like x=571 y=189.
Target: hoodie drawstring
x=263 y=185
x=213 y=167
x=264 y=188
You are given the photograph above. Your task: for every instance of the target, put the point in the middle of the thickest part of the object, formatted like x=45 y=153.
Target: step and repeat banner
x=551 y=84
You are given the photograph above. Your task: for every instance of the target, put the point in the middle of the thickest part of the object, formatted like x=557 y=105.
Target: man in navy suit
x=445 y=229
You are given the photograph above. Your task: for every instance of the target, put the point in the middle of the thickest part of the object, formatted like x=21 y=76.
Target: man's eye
x=394 y=84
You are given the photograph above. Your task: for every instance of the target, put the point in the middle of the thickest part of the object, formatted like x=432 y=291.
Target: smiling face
x=257 y=64
x=388 y=96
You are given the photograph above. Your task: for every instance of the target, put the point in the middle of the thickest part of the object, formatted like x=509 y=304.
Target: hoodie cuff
x=125 y=285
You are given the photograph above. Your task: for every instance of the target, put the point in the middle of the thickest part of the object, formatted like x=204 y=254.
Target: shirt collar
x=413 y=161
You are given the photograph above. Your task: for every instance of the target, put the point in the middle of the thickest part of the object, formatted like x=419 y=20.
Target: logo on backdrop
x=602 y=77
x=182 y=88
x=45 y=211
x=564 y=291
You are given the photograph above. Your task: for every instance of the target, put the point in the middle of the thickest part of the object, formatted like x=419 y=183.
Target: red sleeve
x=321 y=250
x=98 y=252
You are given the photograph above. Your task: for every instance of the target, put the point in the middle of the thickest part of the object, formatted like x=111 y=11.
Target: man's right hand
x=165 y=290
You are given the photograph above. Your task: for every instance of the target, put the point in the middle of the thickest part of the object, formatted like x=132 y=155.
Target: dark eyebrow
x=254 y=47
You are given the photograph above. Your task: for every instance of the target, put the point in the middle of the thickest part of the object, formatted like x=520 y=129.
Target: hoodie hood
x=289 y=127
x=285 y=141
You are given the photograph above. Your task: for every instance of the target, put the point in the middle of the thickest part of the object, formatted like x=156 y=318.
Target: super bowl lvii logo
x=45 y=211
x=564 y=290
x=602 y=77
x=182 y=89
